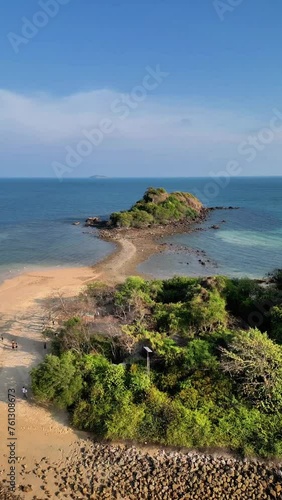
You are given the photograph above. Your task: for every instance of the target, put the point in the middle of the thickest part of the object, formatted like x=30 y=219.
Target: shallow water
x=36 y=228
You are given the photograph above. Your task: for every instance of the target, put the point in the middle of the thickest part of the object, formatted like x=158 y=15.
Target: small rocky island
x=156 y=208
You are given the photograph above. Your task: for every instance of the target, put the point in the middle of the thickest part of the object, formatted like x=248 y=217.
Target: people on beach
x=24 y=391
x=16 y=345
x=13 y=344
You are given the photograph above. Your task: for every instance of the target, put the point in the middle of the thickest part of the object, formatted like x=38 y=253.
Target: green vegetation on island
x=158 y=207
x=215 y=378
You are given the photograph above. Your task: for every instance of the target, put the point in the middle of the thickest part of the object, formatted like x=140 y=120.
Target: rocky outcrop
x=224 y=208
x=92 y=221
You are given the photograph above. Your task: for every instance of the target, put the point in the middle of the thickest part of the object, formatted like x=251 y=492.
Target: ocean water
x=36 y=228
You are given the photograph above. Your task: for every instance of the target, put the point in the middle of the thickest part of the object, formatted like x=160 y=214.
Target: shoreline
x=133 y=247
x=46 y=444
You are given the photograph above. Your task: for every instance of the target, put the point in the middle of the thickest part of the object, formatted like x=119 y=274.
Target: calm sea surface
x=36 y=225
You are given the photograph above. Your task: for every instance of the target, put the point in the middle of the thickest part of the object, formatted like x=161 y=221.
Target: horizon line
x=101 y=178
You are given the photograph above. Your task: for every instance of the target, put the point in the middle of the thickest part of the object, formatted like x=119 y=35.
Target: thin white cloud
x=40 y=127
x=57 y=119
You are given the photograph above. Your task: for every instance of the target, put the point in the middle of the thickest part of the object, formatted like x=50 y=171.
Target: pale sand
x=40 y=432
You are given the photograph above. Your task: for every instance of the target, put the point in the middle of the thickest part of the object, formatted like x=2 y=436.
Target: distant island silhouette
x=98 y=177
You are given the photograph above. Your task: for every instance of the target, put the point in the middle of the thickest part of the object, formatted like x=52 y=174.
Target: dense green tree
x=58 y=380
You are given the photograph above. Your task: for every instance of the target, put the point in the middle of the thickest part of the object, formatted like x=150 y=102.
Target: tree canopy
x=215 y=379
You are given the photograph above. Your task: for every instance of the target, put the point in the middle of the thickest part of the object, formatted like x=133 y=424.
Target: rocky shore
x=153 y=232
x=106 y=472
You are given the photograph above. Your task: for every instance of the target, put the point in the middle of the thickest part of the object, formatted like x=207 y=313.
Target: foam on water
x=270 y=241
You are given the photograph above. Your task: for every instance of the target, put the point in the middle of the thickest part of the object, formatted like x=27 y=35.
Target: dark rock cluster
x=92 y=222
x=224 y=208
x=107 y=472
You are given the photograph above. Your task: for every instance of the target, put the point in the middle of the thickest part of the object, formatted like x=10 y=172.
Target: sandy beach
x=39 y=432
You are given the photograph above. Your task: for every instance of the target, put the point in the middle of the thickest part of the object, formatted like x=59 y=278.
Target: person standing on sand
x=24 y=391
x=13 y=344
x=2 y=338
x=16 y=345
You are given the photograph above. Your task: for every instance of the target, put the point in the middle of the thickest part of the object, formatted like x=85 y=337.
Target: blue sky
x=220 y=67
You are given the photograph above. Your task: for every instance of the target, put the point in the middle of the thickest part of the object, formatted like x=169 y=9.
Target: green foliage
x=132 y=299
x=208 y=311
x=189 y=428
x=252 y=302
x=210 y=384
x=173 y=318
x=242 y=295
x=104 y=393
x=158 y=414
x=255 y=361
x=125 y=420
x=198 y=355
x=276 y=277
x=178 y=289
x=58 y=380
x=121 y=219
x=204 y=312
x=158 y=207
x=276 y=323
x=140 y=218
x=128 y=289
x=138 y=382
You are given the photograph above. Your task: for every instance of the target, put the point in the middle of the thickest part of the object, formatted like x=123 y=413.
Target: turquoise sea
x=36 y=228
